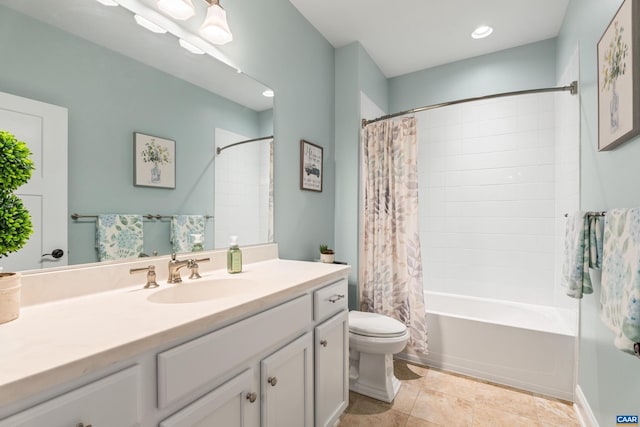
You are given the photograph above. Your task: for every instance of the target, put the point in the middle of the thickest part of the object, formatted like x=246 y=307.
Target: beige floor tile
x=487 y=416
x=364 y=405
x=508 y=400
x=442 y=409
x=389 y=418
x=418 y=422
x=450 y=384
x=406 y=397
x=555 y=413
x=405 y=371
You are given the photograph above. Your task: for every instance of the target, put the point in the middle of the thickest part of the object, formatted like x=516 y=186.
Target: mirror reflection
x=114 y=79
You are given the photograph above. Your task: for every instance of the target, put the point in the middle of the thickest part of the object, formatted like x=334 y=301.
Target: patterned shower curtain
x=390 y=260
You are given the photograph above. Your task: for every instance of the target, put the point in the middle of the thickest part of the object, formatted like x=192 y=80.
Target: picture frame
x=311 y=166
x=154 y=161
x=618 y=78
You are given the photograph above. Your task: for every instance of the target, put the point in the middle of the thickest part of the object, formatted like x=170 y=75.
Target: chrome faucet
x=174 y=269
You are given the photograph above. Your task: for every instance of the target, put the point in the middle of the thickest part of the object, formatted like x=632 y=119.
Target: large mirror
x=117 y=80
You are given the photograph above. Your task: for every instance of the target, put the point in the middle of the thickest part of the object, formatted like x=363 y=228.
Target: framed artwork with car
x=310 y=166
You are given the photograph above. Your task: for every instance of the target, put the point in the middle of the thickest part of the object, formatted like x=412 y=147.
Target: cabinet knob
x=324 y=343
x=273 y=381
x=335 y=298
x=251 y=397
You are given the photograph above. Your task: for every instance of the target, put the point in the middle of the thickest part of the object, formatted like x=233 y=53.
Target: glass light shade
x=144 y=22
x=215 y=27
x=191 y=48
x=177 y=9
x=268 y=93
x=482 y=32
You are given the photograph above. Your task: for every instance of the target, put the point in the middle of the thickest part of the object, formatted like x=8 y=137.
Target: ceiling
x=404 y=36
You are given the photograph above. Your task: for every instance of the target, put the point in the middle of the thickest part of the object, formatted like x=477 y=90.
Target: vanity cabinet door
x=111 y=401
x=287 y=385
x=331 y=369
x=233 y=404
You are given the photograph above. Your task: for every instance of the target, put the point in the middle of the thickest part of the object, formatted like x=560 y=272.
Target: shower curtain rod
x=221 y=149
x=572 y=88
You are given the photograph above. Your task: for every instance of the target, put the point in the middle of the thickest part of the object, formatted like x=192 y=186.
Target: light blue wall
x=277 y=46
x=109 y=97
x=355 y=71
x=609 y=379
x=525 y=67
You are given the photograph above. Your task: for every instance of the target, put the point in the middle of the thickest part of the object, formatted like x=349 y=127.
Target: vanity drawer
x=198 y=363
x=329 y=300
x=111 y=401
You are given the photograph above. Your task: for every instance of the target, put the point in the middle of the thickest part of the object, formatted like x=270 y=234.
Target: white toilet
x=373 y=340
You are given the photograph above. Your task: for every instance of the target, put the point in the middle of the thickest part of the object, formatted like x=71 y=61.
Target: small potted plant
x=16 y=167
x=326 y=254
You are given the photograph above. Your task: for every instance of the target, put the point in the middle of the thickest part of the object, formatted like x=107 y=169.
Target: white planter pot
x=9 y=296
x=327 y=258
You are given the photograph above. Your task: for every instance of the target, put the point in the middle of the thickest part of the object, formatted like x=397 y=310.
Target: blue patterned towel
x=119 y=236
x=620 y=295
x=582 y=250
x=182 y=227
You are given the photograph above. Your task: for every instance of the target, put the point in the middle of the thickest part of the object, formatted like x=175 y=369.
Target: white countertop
x=58 y=341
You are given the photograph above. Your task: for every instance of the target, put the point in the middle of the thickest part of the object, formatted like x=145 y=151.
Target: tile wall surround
x=241 y=187
x=487 y=196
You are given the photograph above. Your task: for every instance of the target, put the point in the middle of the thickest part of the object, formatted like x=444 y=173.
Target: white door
x=332 y=375
x=44 y=128
x=287 y=385
x=233 y=404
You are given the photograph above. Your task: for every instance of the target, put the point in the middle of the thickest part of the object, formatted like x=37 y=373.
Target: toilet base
x=372 y=375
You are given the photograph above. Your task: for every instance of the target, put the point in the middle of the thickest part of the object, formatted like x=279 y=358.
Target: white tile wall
x=241 y=190
x=488 y=183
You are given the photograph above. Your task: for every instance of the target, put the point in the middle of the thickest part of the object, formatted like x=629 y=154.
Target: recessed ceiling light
x=482 y=32
x=108 y=2
x=144 y=22
x=191 y=48
x=268 y=93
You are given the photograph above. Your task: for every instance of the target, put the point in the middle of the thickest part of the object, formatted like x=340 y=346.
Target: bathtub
x=525 y=346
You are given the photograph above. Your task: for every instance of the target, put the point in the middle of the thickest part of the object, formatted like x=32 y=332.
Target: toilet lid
x=374 y=325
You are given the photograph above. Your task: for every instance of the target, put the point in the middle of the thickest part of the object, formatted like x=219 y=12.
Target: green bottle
x=234 y=257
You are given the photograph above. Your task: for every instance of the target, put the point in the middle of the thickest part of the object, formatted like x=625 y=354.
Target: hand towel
x=182 y=227
x=119 y=236
x=620 y=294
x=582 y=250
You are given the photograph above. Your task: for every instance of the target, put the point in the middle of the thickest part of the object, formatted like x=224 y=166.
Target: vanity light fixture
x=144 y=22
x=177 y=9
x=215 y=27
x=108 y=2
x=482 y=32
x=190 y=47
x=268 y=93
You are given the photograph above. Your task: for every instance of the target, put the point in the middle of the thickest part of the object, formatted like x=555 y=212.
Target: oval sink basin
x=202 y=291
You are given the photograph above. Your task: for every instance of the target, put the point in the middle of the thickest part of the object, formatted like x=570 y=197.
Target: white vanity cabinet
x=110 y=401
x=331 y=353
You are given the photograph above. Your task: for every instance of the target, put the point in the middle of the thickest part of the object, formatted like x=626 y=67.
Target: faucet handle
x=173 y=256
x=151 y=275
x=193 y=265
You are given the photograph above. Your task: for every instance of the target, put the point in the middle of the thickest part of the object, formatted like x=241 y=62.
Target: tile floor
x=431 y=398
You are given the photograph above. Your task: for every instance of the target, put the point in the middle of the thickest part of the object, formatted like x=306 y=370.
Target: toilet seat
x=375 y=325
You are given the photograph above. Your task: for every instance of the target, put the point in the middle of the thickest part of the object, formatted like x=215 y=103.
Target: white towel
x=182 y=227
x=119 y=236
x=620 y=294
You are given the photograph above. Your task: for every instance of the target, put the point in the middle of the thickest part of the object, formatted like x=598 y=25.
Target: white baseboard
x=585 y=415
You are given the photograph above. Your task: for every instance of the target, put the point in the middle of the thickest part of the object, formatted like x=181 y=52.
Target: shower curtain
x=390 y=260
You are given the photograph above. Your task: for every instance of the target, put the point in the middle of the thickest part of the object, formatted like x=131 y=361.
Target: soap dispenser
x=234 y=257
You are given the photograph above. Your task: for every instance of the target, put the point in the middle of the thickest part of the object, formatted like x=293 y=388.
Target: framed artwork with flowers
x=154 y=161
x=619 y=78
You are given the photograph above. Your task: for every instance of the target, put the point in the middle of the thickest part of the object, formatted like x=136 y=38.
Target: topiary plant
x=16 y=168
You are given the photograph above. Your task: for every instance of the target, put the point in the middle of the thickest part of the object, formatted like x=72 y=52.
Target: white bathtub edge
x=583 y=410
